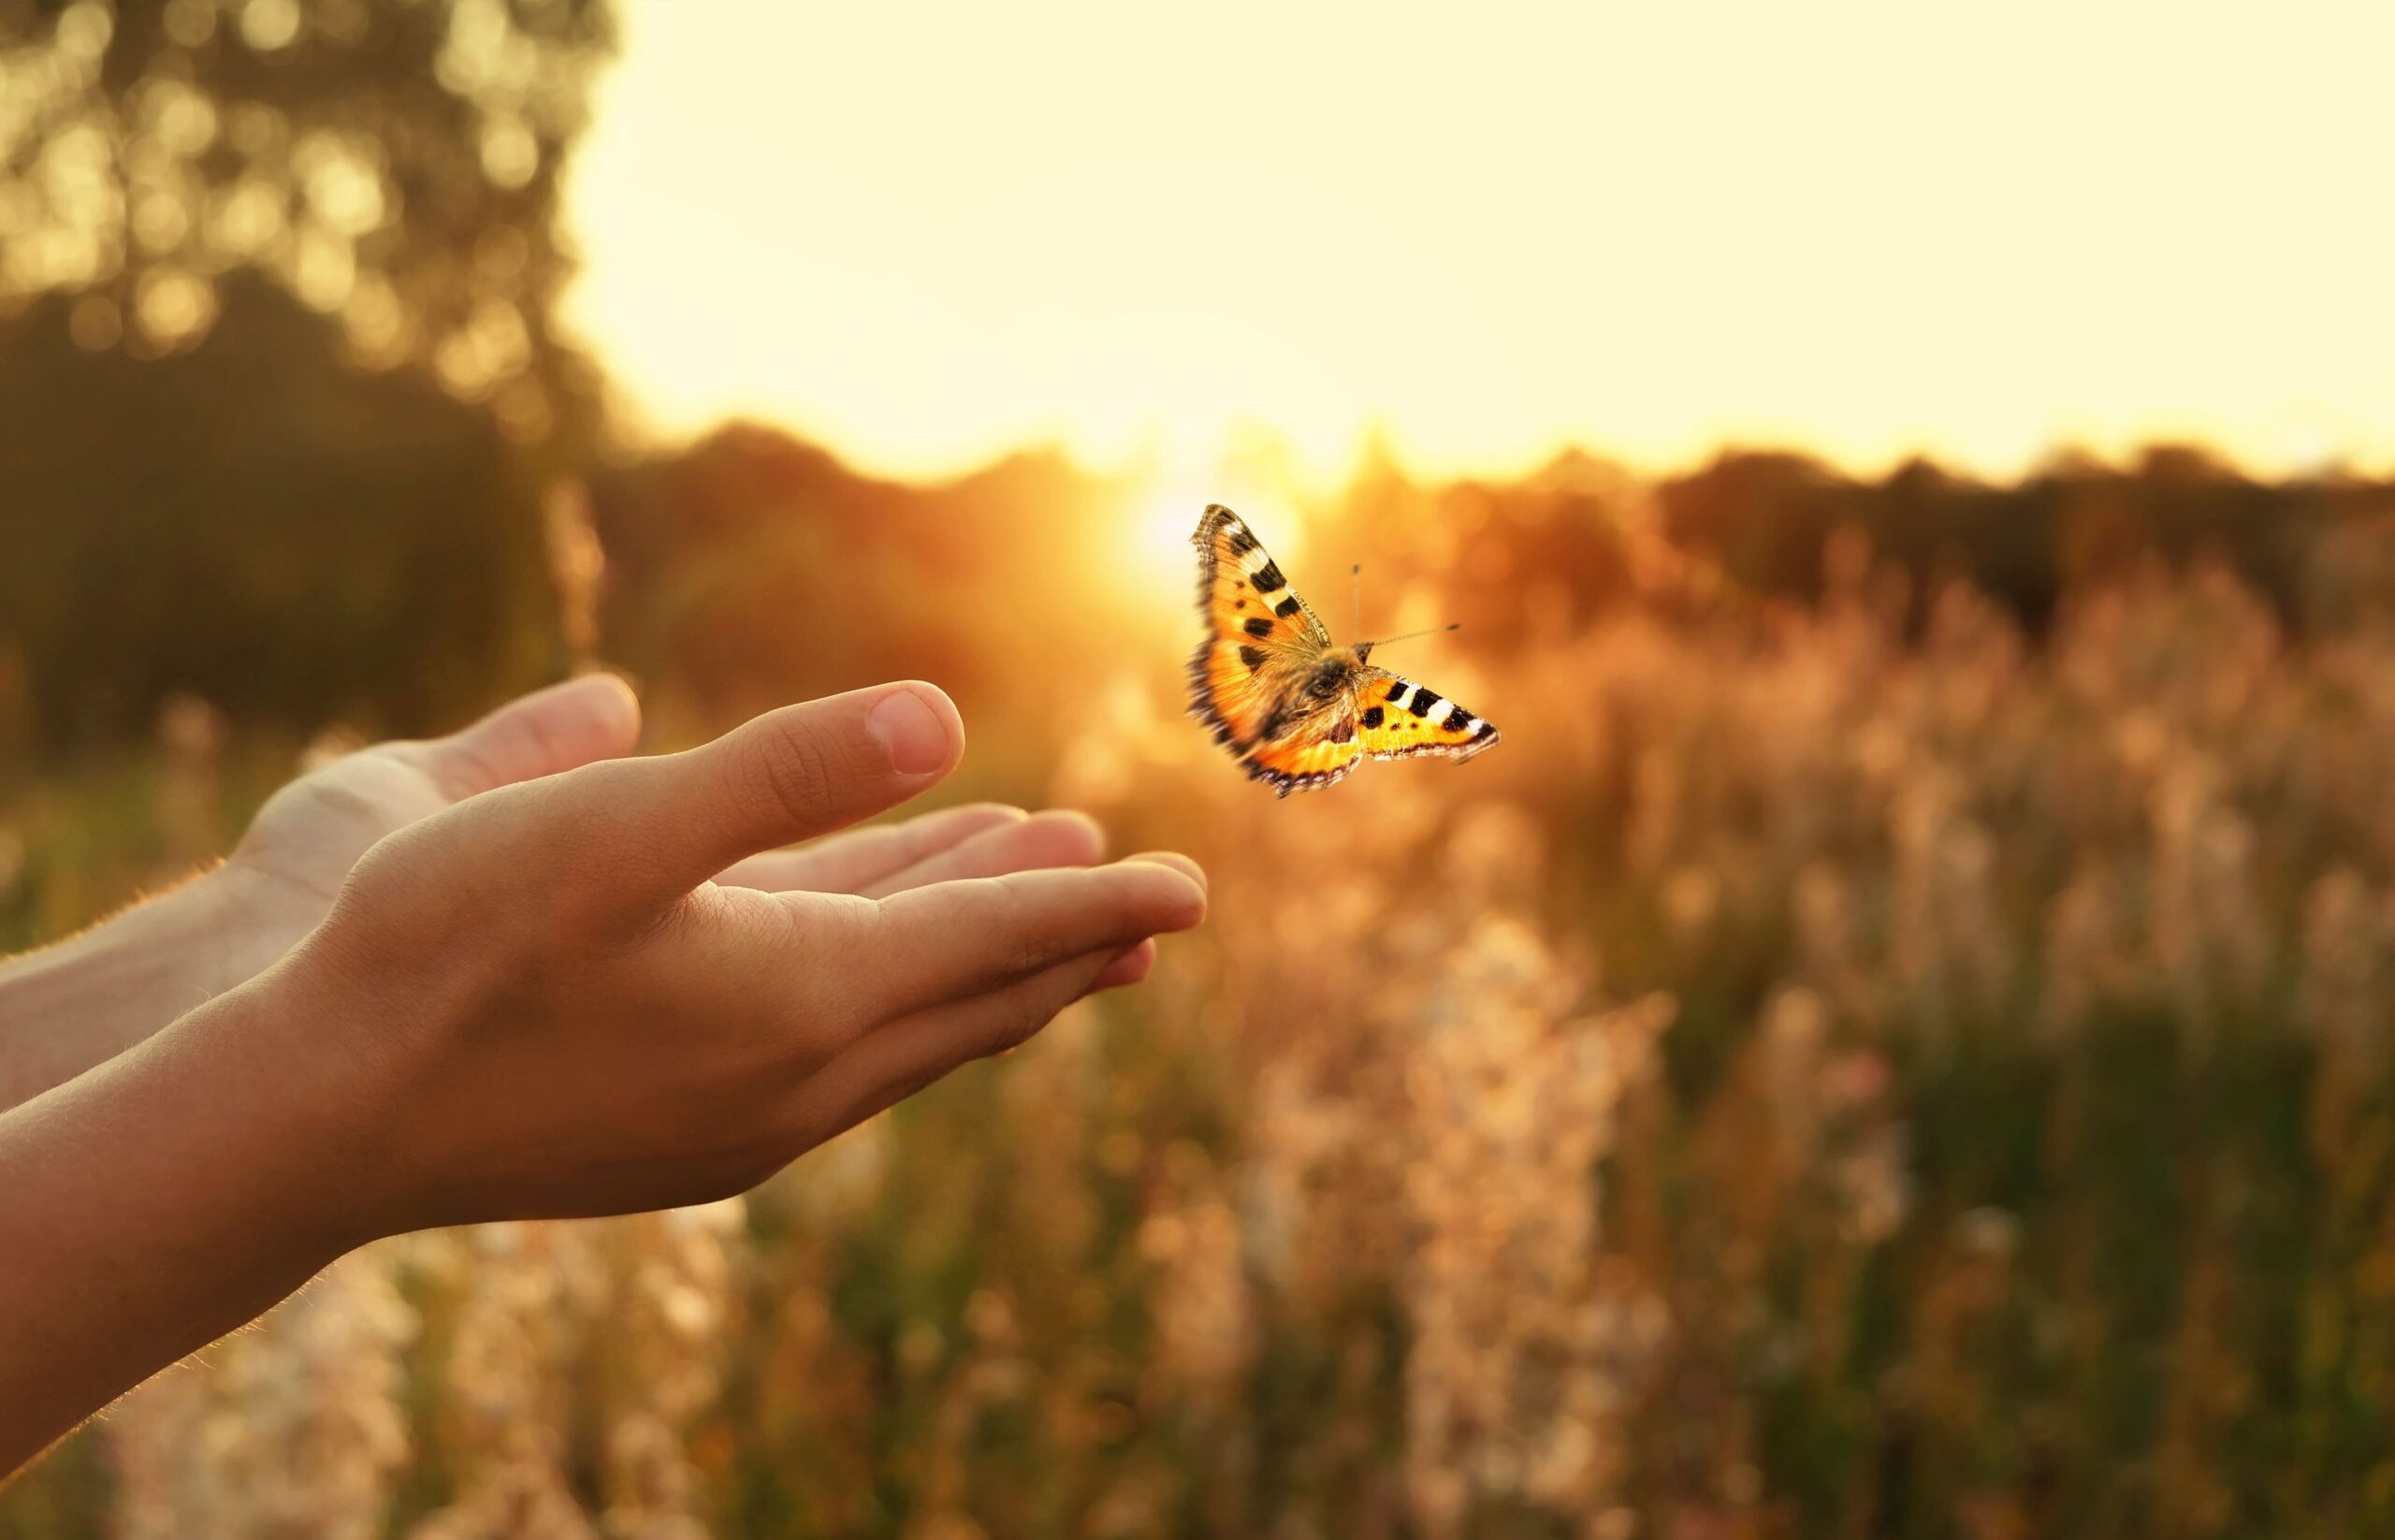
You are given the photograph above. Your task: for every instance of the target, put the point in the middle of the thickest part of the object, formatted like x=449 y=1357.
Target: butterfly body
x=1296 y=709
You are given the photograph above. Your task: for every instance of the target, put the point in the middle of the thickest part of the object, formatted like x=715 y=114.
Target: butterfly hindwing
x=1321 y=751
x=1396 y=717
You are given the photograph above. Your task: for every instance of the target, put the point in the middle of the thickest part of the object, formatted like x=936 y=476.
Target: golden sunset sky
x=924 y=234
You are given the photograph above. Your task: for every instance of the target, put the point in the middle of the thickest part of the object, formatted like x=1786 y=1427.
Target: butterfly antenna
x=1434 y=631
x=1356 y=591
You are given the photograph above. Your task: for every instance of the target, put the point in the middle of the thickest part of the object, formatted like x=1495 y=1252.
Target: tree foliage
x=280 y=383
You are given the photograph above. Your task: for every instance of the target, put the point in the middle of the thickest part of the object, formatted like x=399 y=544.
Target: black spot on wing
x=1397 y=689
x=1371 y=716
x=1253 y=657
x=1459 y=720
x=1287 y=607
x=1421 y=704
x=1270 y=578
x=1258 y=625
x=1488 y=730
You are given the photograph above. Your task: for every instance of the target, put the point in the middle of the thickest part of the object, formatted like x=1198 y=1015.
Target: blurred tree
x=1769 y=517
x=280 y=385
x=751 y=569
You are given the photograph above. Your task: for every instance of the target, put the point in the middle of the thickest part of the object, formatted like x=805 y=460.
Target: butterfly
x=1295 y=710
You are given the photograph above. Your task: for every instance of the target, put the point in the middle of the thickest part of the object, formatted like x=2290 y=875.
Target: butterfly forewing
x=1245 y=594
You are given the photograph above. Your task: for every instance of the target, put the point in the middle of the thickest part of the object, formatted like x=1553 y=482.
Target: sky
x=924 y=234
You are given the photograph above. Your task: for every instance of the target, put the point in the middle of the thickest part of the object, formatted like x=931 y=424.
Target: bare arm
x=151 y=1206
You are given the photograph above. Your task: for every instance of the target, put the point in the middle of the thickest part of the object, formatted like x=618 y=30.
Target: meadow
x=1866 y=1062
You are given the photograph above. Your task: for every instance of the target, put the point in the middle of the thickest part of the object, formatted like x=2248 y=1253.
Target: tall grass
x=1821 y=1077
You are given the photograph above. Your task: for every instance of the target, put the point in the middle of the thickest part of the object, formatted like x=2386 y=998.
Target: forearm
x=152 y=1205
x=79 y=1003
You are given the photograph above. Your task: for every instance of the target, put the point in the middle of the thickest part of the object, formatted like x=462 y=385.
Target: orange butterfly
x=1296 y=711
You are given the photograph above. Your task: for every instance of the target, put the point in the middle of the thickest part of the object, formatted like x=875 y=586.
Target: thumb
x=800 y=771
x=595 y=717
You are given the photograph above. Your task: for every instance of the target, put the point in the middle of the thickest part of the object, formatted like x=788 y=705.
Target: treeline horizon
x=367 y=549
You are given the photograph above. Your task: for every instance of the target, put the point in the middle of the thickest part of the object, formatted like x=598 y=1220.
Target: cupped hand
x=539 y=1000
x=280 y=881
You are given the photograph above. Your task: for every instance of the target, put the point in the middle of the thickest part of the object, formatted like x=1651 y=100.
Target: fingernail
x=906 y=726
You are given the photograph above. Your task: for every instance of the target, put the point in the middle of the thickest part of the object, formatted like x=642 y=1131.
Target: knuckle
x=796 y=774
x=400 y=871
x=585 y=827
x=1025 y=953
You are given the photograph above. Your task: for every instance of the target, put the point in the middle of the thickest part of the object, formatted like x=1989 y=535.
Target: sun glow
x=929 y=233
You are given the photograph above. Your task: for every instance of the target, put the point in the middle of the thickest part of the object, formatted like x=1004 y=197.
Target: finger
x=927 y=946
x=785 y=776
x=886 y=1067
x=595 y=717
x=847 y=863
x=1133 y=967
x=1044 y=839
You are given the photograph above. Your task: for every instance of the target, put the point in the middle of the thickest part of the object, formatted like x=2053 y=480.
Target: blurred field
x=1843 y=1066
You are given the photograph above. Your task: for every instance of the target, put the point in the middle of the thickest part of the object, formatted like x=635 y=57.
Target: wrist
x=183 y=945
x=302 y=1124
x=84 y=1001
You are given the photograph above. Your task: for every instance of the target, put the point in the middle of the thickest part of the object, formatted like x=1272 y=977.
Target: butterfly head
x=1336 y=671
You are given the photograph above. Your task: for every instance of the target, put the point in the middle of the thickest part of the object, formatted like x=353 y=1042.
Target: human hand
x=81 y=1003
x=536 y=1001
x=280 y=880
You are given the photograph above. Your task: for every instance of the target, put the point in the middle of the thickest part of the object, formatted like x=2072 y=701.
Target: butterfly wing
x=1397 y=719
x=1243 y=591
x=1261 y=639
x=1322 y=751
